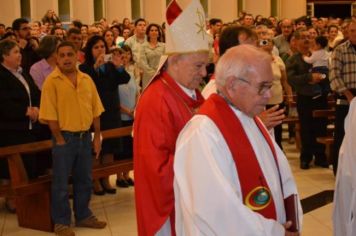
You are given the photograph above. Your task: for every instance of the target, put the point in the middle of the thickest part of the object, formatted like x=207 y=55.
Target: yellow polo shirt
x=73 y=107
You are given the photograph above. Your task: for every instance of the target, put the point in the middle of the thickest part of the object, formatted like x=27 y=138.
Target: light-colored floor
x=119 y=210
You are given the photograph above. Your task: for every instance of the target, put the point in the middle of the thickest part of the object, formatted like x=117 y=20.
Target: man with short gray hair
x=226 y=164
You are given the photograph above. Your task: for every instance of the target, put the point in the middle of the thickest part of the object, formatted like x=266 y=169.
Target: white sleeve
x=207 y=190
x=209 y=89
x=311 y=59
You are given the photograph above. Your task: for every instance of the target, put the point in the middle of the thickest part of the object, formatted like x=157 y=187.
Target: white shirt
x=318 y=58
x=190 y=92
x=208 y=197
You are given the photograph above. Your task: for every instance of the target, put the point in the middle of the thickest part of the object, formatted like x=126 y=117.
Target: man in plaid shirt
x=343 y=82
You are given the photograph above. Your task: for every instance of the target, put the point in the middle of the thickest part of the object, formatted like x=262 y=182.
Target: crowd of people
x=195 y=93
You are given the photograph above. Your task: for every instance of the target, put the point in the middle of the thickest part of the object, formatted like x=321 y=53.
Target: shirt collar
x=190 y=92
x=60 y=75
x=18 y=70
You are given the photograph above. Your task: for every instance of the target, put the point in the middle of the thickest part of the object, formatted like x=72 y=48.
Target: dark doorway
x=333 y=10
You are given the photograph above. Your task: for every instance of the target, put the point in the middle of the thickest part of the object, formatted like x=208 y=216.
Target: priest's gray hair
x=239 y=62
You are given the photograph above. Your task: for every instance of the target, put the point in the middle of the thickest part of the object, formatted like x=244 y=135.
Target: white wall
x=83 y=10
x=118 y=9
x=154 y=10
x=9 y=11
x=258 y=7
x=293 y=8
x=226 y=11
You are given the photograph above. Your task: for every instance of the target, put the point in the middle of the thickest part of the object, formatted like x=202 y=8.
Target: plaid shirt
x=343 y=68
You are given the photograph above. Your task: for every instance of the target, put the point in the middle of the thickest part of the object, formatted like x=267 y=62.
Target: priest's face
x=189 y=69
x=251 y=94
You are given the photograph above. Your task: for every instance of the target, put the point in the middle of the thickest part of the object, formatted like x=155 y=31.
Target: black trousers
x=310 y=128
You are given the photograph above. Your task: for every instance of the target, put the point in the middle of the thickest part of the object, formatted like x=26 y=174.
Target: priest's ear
x=231 y=83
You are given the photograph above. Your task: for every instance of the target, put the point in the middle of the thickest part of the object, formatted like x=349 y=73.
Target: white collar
x=190 y=92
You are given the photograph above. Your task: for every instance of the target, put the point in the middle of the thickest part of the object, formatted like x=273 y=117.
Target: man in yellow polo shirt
x=70 y=104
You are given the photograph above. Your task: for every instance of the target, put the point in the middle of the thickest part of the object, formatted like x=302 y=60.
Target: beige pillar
x=40 y=7
x=117 y=10
x=293 y=8
x=258 y=7
x=154 y=10
x=82 y=10
x=9 y=10
x=225 y=10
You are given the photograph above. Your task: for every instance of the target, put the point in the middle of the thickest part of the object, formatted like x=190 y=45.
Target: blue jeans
x=74 y=157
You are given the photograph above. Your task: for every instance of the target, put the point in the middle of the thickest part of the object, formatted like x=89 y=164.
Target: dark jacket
x=107 y=79
x=299 y=74
x=14 y=101
x=29 y=57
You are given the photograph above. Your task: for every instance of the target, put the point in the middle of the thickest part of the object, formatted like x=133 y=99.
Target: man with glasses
x=233 y=36
x=305 y=84
x=22 y=29
x=227 y=149
x=281 y=41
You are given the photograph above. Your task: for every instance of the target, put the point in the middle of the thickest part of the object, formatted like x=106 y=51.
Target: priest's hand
x=288 y=233
x=272 y=116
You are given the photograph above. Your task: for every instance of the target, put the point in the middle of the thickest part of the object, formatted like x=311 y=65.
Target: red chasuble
x=256 y=193
x=162 y=111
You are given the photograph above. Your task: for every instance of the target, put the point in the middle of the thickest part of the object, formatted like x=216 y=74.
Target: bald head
x=244 y=77
x=239 y=61
x=286 y=27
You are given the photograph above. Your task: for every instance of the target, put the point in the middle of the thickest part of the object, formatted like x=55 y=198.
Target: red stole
x=154 y=149
x=255 y=190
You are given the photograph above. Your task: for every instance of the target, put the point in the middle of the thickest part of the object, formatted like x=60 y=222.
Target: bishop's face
x=190 y=69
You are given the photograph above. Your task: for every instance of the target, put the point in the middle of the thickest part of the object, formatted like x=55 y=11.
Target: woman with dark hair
x=333 y=36
x=258 y=19
x=109 y=39
x=107 y=76
x=151 y=52
x=118 y=39
x=126 y=23
x=126 y=33
x=84 y=32
x=47 y=51
x=313 y=33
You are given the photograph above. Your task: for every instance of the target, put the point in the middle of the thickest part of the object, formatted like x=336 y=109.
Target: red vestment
x=162 y=111
x=255 y=190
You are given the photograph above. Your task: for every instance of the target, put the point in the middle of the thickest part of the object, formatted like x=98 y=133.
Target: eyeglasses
x=262 y=87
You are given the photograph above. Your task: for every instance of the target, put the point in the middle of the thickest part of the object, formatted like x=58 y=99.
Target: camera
x=263 y=42
x=107 y=57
